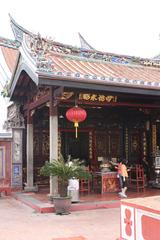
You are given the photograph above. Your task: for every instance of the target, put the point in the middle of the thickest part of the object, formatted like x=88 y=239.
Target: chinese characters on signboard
x=17 y=158
x=92 y=97
x=16 y=170
x=16 y=175
x=97 y=97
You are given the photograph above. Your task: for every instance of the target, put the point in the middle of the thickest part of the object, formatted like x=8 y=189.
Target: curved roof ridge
x=88 y=52
x=10 y=43
x=18 y=30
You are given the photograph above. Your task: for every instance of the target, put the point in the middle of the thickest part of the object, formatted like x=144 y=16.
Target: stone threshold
x=42 y=207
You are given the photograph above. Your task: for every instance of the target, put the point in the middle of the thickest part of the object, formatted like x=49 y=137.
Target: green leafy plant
x=5 y=91
x=65 y=171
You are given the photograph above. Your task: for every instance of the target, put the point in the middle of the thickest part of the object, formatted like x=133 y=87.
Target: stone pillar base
x=31 y=189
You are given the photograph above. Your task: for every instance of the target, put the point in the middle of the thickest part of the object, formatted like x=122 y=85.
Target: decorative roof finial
x=18 y=31
x=84 y=43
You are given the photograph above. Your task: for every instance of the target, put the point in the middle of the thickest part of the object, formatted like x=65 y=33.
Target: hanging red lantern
x=76 y=114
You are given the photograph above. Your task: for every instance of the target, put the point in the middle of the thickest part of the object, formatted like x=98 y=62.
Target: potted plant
x=64 y=171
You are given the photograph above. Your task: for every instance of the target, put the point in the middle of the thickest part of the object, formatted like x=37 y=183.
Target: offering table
x=105 y=181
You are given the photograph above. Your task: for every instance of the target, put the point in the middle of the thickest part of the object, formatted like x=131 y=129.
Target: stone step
x=41 y=207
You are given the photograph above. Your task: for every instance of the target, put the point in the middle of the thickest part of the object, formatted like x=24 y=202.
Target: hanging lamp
x=76 y=114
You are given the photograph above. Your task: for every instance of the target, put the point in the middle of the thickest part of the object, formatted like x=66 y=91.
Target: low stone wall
x=140 y=219
x=5 y=163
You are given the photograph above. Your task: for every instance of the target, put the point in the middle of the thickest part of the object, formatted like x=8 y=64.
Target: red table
x=105 y=181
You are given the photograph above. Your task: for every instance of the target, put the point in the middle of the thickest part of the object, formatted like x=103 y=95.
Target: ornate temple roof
x=10 y=56
x=63 y=61
x=51 y=61
x=9 y=49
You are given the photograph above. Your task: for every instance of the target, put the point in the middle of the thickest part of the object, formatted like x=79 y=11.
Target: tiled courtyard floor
x=42 y=195
x=19 y=222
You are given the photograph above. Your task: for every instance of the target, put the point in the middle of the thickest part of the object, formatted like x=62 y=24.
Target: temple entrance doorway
x=75 y=147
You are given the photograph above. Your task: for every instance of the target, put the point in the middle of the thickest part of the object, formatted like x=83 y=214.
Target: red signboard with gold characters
x=90 y=97
x=97 y=97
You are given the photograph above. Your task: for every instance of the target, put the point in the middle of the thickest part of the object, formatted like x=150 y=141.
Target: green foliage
x=112 y=168
x=4 y=93
x=65 y=171
x=5 y=90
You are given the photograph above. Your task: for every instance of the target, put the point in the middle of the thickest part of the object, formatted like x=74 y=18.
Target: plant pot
x=62 y=205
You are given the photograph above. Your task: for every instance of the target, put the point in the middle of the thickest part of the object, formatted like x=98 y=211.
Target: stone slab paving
x=42 y=207
x=34 y=203
x=20 y=222
x=72 y=238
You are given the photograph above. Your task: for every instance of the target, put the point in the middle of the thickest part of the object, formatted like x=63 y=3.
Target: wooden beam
x=97 y=86
x=57 y=94
x=43 y=100
x=113 y=104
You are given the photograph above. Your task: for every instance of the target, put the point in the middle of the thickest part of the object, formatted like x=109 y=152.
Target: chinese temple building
x=120 y=95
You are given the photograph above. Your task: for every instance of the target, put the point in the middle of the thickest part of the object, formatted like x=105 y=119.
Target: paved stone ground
x=20 y=222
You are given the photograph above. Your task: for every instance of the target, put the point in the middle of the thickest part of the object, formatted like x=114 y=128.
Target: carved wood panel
x=41 y=154
x=136 y=145
x=41 y=145
x=114 y=137
x=108 y=144
x=101 y=144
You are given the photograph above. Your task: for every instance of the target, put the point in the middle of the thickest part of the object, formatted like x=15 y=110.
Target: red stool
x=137 y=178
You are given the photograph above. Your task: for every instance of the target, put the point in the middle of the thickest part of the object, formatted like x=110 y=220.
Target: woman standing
x=124 y=176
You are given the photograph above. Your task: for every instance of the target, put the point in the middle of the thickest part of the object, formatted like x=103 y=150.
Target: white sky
x=130 y=27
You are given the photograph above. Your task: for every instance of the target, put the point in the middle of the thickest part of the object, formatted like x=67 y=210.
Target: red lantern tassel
x=76 y=126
